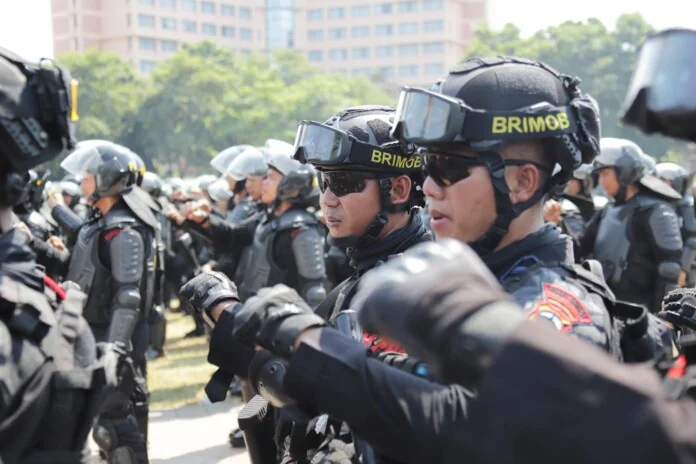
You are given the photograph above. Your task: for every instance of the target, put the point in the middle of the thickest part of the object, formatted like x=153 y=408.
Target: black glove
x=430 y=300
x=679 y=308
x=274 y=318
x=202 y=293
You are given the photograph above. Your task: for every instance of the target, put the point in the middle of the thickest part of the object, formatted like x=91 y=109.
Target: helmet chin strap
x=620 y=197
x=505 y=209
x=371 y=234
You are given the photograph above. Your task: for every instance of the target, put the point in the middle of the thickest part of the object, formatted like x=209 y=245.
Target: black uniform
x=639 y=246
x=114 y=263
x=52 y=376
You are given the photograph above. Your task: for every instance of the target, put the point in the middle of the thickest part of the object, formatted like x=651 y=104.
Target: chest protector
x=263 y=269
x=94 y=276
x=49 y=397
x=612 y=244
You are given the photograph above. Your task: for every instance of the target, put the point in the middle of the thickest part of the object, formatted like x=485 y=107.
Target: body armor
x=263 y=270
x=612 y=244
x=92 y=275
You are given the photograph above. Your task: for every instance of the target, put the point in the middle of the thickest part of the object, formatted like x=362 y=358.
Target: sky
x=25 y=25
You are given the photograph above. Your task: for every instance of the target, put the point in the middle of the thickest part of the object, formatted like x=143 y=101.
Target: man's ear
x=528 y=179
x=401 y=189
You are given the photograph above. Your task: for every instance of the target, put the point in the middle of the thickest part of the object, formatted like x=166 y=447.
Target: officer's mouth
x=438 y=219
x=333 y=222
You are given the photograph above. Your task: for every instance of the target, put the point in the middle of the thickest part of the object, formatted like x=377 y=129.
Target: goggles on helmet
x=426 y=117
x=328 y=147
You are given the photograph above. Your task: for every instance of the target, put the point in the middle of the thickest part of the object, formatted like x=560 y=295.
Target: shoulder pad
x=664 y=226
x=118 y=217
x=648 y=201
x=296 y=218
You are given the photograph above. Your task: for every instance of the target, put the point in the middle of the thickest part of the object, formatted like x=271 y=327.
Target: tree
x=602 y=58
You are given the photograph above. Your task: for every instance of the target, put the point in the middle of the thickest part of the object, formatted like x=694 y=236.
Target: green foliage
x=602 y=58
x=204 y=99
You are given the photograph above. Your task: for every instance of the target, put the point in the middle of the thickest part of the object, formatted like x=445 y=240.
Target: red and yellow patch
x=563 y=309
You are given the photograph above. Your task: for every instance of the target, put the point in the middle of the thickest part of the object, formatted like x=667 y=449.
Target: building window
x=384 y=30
x=245 y=34
x=209 y=29
x=360 y=31
x=360 y=10
x=168 y=3
x=363 y=72
x=434 y=68
x=245 y=13
x=433 y=48
x=146 y=66
x=188 y=5
x=408 y=7
x=208 y=7
x=408 y=49
x=408 y=28
x=433 y=4
x=146 y=20
x=338 y=33
x=168 y=24
x=435 y=25
x=336 y=54
x=189 y=26
x=408 y=70
x=315 y=35
x=383 y=8
x=384 y=50
x=361 y=52
x=168 y=46
x=146 y=43
x=228 y=31
x=226 y=10
x=387 y=71
x=315 y=15
x=316 y=55
x=146 y=2
x=335 y=13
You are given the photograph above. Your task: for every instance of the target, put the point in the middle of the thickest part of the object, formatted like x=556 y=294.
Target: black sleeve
x=551 y=398
x=226 y=236
x=400 y=415
x=54 y=260
x=586 y=243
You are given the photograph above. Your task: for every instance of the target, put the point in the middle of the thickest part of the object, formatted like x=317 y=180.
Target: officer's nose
x=432 y=190
x=328 y=198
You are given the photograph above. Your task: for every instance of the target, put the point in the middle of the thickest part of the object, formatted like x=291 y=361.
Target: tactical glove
x=202 y=293
x=679 y=308
x=442 y=304
x=274 y=318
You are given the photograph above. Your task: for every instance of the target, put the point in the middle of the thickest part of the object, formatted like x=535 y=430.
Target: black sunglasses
x=446 y=169
x=343 y=182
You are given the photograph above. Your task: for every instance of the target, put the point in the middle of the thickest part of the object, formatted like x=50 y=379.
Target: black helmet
x=358 y=139
x=152 y=184
x=34 y=196
x=630 y=164
x=113 y=168
x=299 y=184
x=36 y=111
x=675 y=175
x=485 y=103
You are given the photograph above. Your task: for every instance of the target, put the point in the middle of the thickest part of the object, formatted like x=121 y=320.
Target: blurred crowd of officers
x=476 y=275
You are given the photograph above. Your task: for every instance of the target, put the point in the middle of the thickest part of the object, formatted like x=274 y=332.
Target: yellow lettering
x=417 y=162
x=499 y=126
x=514 y=124
x=386 y=158
x=409 y=162
x=563 y=119
x=376 y=157
x=525 y=127
x=401 y=162
x=536 y=124
x=551 y=122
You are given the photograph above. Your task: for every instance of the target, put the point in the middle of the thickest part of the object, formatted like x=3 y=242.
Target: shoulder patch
x=563 y=309
x=112 y=233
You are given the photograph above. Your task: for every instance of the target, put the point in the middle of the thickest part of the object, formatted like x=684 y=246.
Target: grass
x=178 y=378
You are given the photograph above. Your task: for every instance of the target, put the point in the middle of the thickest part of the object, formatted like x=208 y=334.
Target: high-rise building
x=404 y=41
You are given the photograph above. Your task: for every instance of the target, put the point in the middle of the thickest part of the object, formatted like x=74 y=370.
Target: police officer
x=636 y=239
x=114 y=263
x=678 y=178
x=50 y=366
x=72 y=197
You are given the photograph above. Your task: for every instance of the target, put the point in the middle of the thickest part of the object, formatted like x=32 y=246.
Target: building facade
x=409 y=42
